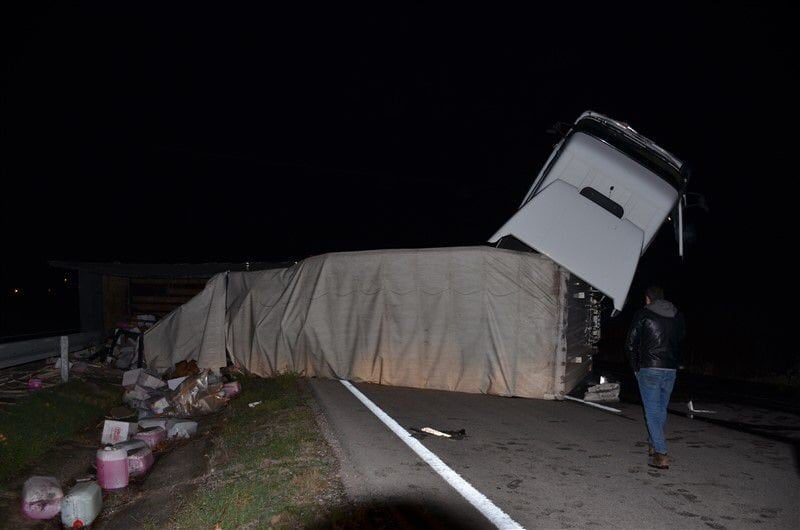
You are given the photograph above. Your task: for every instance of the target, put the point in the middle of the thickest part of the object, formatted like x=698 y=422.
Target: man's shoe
x=660 y=461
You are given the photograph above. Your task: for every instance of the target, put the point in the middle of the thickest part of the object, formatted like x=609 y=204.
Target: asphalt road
x=552 y=464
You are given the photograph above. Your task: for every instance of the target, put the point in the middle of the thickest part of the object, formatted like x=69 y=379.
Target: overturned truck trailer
x=471 y=319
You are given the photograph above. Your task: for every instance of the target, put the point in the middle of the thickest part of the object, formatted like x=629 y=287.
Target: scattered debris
x=591 y=404
x=702 y=411
x=198 y=395
x=434 y=432
x=149 y=381
x=149 y=423
x=153 y=437
x=131 y=377
x=425 y=431
x=159 y=405
x=185 y=368
x=175 y=382
x=57 y=364
x=117 y=431
x=604 y=392
x=41 y=497
x=130 y=445
x=139 y=461
x=232 y=389
x=80 y=507
x=112 y=468
x=254 y=404
x=181 y=428
x=164 y=409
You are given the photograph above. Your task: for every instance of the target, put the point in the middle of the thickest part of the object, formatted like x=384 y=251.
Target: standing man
x=653 y=349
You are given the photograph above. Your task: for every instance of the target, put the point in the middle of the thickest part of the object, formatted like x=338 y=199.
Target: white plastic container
x=140 y=461
x=81 y=505
x=131 y=445
x=152 y=437
x=41 y=497
x=153 y=422
x=112 y=468
x=181 y=429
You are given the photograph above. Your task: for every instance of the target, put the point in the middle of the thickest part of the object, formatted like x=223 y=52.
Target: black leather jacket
x=654 y=337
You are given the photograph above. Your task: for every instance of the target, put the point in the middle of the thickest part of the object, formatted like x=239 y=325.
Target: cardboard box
x=118 y=431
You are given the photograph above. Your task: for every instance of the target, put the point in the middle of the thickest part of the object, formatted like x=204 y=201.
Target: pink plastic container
x=139 y=462
x=231 y=389
x=112 y=468
x=34 y=383
x=41 y=497
x=152 y=437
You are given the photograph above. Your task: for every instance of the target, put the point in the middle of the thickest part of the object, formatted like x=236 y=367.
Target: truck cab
x=598 y=202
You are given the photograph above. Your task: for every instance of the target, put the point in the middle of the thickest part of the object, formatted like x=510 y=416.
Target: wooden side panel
x=159 y=296
x=116 y=295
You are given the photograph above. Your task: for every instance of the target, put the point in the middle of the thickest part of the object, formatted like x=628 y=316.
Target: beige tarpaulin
x=195 y=330
x=473 y=319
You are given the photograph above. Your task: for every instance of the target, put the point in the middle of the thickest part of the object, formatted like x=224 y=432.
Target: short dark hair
x=654 y=292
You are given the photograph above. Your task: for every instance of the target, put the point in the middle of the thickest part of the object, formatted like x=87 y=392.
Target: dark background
x=190 y=133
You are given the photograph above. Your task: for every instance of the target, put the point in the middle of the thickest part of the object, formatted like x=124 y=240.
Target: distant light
x=65 y=279
x=16 y=291
x=602 y=380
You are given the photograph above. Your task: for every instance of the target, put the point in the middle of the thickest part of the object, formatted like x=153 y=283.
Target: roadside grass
x=271 y=466
x=47 y=417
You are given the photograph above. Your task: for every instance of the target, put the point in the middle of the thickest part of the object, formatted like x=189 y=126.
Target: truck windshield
x=645 y=156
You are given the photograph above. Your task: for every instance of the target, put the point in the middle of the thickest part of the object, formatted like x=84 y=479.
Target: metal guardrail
x=26 y=351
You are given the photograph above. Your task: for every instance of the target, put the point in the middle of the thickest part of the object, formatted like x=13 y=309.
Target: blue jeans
x=655 y=387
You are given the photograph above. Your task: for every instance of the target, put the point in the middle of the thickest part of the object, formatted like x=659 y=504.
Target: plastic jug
x=139 y=462
x=112 y=468
x=41 y=497
x=81 y=505
x=152 y=437
x=130 y=445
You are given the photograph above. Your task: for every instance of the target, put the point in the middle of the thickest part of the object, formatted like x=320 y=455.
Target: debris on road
x=434 y=432
x=117 y=431
x=140 y=461
x=41 y=497
x=604 y=392
x=254 y=404
x=231 y=389
x=591 y=404
x=112 y=468
x=80 y=507
x=181 y=428
x=690 y=405
x=425 y=431
x=153 y=436
x=158 y=410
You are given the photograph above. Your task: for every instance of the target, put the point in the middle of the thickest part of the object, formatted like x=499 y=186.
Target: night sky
x=184 y=133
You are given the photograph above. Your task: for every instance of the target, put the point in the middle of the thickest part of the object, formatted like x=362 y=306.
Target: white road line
x=497 y=516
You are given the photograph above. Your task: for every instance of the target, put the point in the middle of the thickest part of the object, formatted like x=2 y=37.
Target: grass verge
x=271 y=466
x=46 y=417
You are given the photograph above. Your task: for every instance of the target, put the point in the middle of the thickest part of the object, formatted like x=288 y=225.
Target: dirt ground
x=146 y=503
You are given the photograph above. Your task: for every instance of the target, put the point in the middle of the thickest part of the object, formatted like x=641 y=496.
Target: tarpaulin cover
x=473 y=319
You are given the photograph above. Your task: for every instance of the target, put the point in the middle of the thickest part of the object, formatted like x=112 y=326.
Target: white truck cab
x=598 y=202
